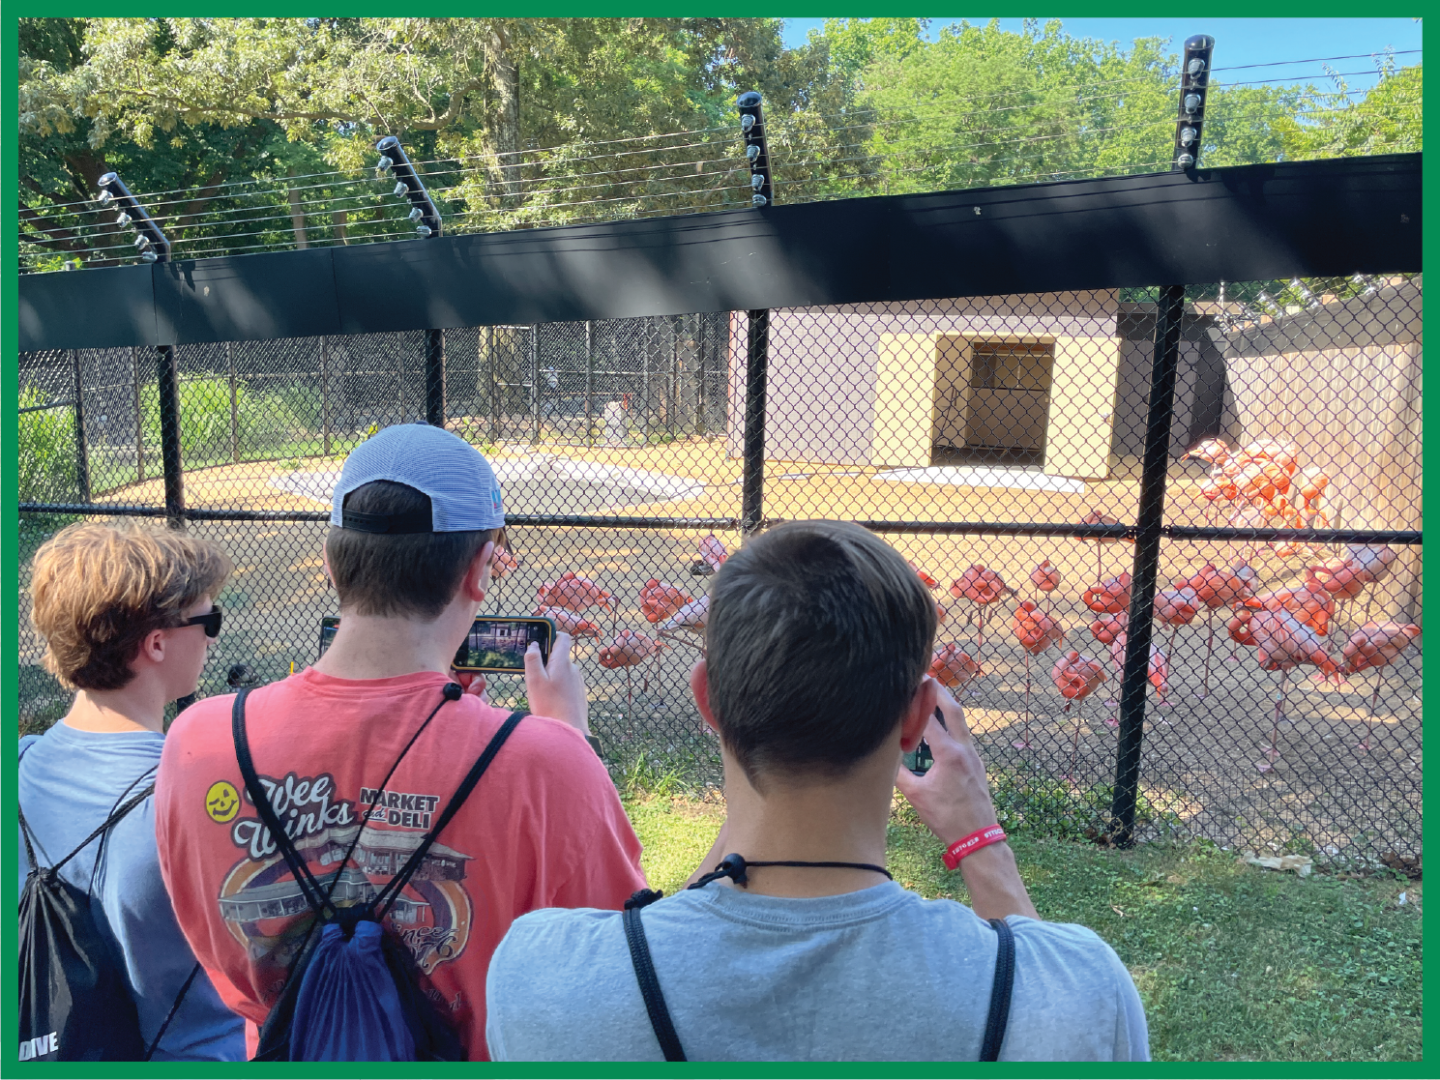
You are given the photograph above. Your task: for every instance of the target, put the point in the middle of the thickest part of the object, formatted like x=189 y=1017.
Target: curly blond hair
x=98 y=590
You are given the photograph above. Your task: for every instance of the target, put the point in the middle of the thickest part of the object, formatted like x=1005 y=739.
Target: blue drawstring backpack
x=352 y=993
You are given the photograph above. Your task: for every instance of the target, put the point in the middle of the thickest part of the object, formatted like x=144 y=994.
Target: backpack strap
x=645 y=976
x=999 y=1017
x=309 y=887
x=117 y=812
x=174 y=1008
x=391 y=892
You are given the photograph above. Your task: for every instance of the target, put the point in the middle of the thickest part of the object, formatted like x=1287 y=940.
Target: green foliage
x=45 y=439
x=266 y=422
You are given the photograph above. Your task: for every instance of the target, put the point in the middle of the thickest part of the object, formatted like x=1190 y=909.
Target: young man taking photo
x=799 y=947
x=361 y=753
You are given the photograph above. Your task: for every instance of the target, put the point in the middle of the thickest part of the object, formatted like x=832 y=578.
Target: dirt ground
x=1205 y=760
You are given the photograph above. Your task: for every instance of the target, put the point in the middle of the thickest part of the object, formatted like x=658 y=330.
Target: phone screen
x=328 y=625
x=499 y=644
x=495 y=643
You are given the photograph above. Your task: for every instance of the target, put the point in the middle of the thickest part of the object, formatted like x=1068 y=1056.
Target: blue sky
x=1237 y=41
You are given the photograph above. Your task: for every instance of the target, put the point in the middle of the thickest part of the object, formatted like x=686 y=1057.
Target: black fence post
x=325 y=396
x=494 y=388
x=535 y=384
x=435 y=378
x=589 y=383
x=139 y=418
x=1168 y=321
x=752 y=486
x=169 y=386
x=234 y=404
x=82 y=450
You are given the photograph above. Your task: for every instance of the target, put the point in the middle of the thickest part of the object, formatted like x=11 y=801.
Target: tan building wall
x=858 y=385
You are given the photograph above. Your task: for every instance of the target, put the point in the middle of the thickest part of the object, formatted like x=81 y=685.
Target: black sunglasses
x=210 y=621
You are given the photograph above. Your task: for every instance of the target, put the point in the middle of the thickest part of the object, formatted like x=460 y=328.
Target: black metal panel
x=1256 y=222
x=669 y=266
x=88 y=309
x=247 y=297
x=1253 y=222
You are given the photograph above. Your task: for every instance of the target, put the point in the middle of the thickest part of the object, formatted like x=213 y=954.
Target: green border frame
x=9 y=617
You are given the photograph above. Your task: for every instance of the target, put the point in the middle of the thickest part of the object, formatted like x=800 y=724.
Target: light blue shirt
x=70 y=782
x=875 y=975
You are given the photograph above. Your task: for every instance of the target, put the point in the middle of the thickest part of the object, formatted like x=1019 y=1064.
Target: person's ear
x=477 y=576
x=700 y=687
x=917 y=715
x=152 y=647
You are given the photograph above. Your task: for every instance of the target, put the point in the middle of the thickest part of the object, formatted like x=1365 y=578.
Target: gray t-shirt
x=880 y=974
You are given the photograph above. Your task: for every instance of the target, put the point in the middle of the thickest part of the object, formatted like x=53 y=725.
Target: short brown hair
x=409 y=574
x=818 y=637
x=99 y=589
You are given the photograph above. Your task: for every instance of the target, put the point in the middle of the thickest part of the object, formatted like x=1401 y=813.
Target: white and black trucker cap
x=464 y=495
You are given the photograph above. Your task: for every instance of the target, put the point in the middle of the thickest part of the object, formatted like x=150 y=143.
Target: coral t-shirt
x=543 y=828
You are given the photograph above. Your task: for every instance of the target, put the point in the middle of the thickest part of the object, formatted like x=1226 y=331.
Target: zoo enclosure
x=866 y=411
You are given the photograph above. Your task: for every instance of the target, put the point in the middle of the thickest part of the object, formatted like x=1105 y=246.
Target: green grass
x=1232 y=962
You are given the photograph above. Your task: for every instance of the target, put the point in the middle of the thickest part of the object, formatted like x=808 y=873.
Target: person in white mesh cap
x=378 y=735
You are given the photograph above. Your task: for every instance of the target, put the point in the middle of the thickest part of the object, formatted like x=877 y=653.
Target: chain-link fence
x=1008 y=446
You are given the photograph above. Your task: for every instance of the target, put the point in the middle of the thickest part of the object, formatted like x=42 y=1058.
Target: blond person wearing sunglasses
x=127 y=615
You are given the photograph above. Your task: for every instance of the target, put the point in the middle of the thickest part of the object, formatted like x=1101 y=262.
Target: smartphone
x=919 y=760
x=494 y=644
x=498 y=643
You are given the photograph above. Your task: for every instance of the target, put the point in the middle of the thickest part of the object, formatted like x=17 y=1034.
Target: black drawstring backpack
x=75 y=1003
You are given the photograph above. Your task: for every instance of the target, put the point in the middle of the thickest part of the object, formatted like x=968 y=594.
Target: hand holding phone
x=556 y=688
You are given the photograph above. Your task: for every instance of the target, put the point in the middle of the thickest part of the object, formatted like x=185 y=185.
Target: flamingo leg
x=1024 y=741
x=1370 y=720
x=1273 y=751
x=1075 y=743
x=1165 y=702
x=1209 y=645
x=979 y=649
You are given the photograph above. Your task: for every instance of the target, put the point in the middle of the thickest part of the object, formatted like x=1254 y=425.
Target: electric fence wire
x=282 y=211
x=609 y=181
x=991 y=96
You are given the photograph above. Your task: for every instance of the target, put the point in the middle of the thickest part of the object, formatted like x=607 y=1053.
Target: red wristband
x=991 y=834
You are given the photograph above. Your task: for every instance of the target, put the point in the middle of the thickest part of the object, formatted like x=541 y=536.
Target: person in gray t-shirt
x=797 y=946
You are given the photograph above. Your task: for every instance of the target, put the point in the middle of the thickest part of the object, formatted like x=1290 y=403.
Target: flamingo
x=659 y=601
x=982 y=586
x=926 y=579
x=1097 y=518
x=626 y=650
x=568 y=622
x=1036 y=632
x=572 y=592
x=953 y=668
x=692 y=617
x=1215 y=589
x=1376 y=645
x=502 y=562
x=1157 y=671
x=1076 y=676
x=1310 y=604
x=1109 y=596
x=712 y=555
x=1176 y=608
x=1361 y=565
x=1045 y=578
x=1284 y=642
